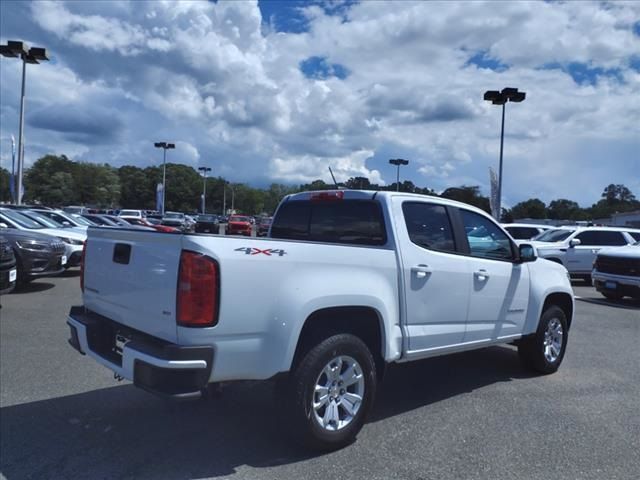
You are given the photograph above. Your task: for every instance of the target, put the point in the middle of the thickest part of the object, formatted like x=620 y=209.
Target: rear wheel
x=543 y=351
x=330 y=392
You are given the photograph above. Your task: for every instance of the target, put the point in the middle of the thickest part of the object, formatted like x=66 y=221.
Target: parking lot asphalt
x=473 y=415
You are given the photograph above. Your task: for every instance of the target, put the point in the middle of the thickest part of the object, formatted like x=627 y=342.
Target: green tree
x=563 y=209
x=50 y=181
x=468 y=194
x=532 y=208
x=5 y=192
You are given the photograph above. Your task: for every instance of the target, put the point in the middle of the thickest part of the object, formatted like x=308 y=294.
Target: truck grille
x=618 y=265
x=5 y=251
x=57 y=247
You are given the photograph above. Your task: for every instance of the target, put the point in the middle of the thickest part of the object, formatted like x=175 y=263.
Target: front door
x=579 y=258
x=499 y=287
x=435 y=275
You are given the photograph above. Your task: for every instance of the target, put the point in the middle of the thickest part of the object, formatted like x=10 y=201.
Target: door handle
x=481 y=274
x=421 y=271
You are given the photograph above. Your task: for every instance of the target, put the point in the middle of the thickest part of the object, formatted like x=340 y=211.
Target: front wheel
x=330 y=392
x=543 y=351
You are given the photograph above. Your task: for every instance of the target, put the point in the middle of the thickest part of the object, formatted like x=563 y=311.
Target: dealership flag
x=159 y=206
x=494 y=201
x=12 y=178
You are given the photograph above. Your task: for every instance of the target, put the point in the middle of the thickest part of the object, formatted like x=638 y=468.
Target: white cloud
x=209 y=76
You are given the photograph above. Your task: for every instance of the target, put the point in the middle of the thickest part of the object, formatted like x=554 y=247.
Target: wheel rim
x=553 y=340
x=338 y=393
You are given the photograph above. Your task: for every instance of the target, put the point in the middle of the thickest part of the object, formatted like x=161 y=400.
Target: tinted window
x=601 y=238
x=635 y=235
x=429 y=226
x=556 y=235
x=346 y=221
x=486 y=240
x=522 y=233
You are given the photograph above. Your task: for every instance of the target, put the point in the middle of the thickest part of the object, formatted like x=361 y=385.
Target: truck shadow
x=122 y=432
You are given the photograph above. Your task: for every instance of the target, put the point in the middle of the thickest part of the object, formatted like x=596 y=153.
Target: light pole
x=164 y=146
x=233 y=198
x=501 y=98
x=204 y=171
x=397 y=162
x=32 y=55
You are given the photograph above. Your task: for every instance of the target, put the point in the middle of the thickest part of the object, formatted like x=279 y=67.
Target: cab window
x=486 y=239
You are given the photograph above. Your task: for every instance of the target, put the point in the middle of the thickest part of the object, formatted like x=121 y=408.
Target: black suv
x=37 y=255
x=8 y=272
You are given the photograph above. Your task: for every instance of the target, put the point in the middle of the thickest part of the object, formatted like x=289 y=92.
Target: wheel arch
x=562 y=300
x=364 y=322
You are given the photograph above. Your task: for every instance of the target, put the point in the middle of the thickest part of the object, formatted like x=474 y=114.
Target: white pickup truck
x=348 y=282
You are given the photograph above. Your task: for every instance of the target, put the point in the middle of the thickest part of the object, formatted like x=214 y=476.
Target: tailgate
x=131 y=277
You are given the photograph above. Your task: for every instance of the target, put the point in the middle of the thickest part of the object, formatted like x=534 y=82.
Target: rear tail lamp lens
x=84 y=251
x=198 y=290
x=327 y=196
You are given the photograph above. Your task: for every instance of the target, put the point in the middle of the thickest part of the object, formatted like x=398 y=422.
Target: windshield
x=265 y=221
x=22 y=220
x=42 y=220
x=239 y=219
x=82 y=221
x=556 y=235
x=206 y=218
x=174 y=215
x=129 y=213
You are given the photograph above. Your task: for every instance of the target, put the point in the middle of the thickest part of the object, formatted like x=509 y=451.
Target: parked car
x=616 y=272
x=75 y=209
x=8 y=271
x=264 y=225
x=576 y=247
x=132 y=213
x=238 y=225
x=73 y=240
x=524 y=231
x=207 y=224
x=64 y=219
x=175 y=219
x=143 y=222
x=349 y=283
x=100 y=219
x=37 y=255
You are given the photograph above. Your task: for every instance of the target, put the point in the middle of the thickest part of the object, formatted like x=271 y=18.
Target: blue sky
x=279 y=91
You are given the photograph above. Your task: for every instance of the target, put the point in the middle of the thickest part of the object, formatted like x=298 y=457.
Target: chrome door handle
x=421 y=271
x=481 y=274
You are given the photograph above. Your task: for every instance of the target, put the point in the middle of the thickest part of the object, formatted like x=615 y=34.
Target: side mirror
x=527 y=253
x=66 y=224
x=575 y=242
x=3 y=225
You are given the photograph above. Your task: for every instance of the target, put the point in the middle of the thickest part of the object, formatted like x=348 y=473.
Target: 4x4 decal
x=257 y=251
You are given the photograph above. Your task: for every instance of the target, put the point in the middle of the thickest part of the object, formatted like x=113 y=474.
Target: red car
x=239 y=225
x=146 y=223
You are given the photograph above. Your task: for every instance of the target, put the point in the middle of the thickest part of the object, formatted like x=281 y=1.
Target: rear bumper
x=163 y=368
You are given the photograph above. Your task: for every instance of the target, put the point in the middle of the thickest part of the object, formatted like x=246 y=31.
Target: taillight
x=198 y=290
x=327 y=196
x=84 y=251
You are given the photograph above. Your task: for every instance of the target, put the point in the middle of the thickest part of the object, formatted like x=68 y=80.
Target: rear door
x=131 y=277
x=435 y=276
x=499 y=287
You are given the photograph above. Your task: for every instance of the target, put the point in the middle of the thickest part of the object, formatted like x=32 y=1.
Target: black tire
x=612 y=295
x=532 y=348
x=297 y=393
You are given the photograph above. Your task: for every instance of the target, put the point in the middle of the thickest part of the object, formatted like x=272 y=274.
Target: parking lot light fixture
x=204 y=171
x=507 y=94
x=164 y=146
x=33 y=55
x=397 y=162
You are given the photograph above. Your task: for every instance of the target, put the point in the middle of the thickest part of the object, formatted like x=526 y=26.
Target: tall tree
x=532 y=208
x=563 y=209
x=468 y=194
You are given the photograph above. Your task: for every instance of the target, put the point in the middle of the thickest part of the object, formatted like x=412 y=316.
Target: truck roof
x=372 y=195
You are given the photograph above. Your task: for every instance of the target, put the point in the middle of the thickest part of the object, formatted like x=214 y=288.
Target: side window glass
x=611 y=238
x=635 y=235
x=429 y=226
x=486 y=240
x=590 y=237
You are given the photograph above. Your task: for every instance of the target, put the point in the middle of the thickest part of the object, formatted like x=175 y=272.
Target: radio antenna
x=334 y=178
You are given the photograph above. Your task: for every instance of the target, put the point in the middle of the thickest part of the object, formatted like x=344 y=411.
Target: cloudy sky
x=278 y=91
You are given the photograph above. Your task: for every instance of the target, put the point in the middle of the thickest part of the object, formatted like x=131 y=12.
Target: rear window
x=522 y=233
x=357 y=222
